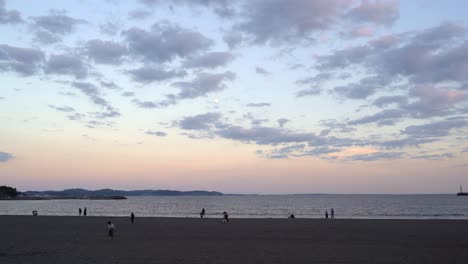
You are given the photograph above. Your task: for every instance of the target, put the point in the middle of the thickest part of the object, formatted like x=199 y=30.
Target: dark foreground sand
x=27 y=239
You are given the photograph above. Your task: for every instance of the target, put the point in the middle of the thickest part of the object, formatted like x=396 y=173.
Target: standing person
x=326 y=214
x=225 y=218
x=84 y=212
x=111 y=228
x=202 y=213
x=132 y=217
x=79 y=211
x=332 y=213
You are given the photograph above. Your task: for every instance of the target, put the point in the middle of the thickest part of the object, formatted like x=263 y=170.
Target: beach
x=60 y=239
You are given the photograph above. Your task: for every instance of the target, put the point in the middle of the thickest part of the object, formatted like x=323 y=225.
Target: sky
x=237 y=96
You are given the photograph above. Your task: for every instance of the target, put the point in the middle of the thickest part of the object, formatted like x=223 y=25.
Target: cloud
x=282 y=121
x=387 y=100
x=434 y=156
x=105 y=52
x=277 y=21
x=362 y=89
x=384 y=12
x=199 y=122
x=4 y=157
x=261 y=71
x=209 y=60
x=91 y=91
x=9 y=16
x=149 y=74
x=140 y=14
x=24 y=61
x=435 y=129
x=222 y=8
x=110 y=28
x=66 y=64
x=377 y=156
x=359 y=32
x=264 y=135
x=110 y=85
x=156 y=133
x=380 y=116
x=233 y=39
x=52 y=27
x=108 y=112
x=63 y=108
x=310 y=91
x=258 y=104
x=128 y=94
x=164 y=42
x=203 y=84
x=76 y=116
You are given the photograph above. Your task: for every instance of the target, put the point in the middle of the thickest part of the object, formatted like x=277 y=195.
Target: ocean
x=436 y=206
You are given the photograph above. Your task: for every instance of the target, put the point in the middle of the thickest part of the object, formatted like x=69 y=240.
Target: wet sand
x=49 y=239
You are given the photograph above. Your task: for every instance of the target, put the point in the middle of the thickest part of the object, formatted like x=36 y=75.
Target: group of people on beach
x=332 y=214
x=82 y=211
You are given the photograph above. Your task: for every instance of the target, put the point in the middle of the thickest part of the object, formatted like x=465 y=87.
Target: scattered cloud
x=377 y=156
x=258 y=104
x=282 y=121
x=105 y=52
x=66 y=64
x=149 y=74
x=9 y=16
x=261 y=71
x=24 y=61
x=52 y=27
x=156 y=133
x=4 y=157
x=384 y=12
x=164 y=42
x=209 y=60
x=63 y=108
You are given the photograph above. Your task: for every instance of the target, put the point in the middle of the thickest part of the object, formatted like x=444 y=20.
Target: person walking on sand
x=111 y=228
x=79 y=211
x=332 y=213
x=291 y=216
x=225 y=218
x=326 y=214
x=202 y=213
x=84 y=212
x=132 y=217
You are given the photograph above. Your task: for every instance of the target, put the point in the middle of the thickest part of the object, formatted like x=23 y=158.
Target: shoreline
x=195 y=216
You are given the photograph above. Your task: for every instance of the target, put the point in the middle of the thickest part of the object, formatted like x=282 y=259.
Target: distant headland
x=10 y=193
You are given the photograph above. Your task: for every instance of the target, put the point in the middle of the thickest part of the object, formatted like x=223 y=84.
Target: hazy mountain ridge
x=111 y=192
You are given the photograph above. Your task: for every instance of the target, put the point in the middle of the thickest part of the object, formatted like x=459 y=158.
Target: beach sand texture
x=57 y=239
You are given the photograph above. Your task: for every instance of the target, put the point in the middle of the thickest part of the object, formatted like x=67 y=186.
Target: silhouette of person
x=111 y=228
x=202 y=213
x=34 y=213
x=326 y=214
x=84 y=212
x=225 y=218
x=79 y=211
x=291 y=216
x=332 y=213
x=132 y=217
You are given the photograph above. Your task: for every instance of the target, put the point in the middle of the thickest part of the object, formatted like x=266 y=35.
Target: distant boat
x=461 y=193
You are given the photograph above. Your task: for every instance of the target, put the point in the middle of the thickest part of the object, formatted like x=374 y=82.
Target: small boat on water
x=461 y=193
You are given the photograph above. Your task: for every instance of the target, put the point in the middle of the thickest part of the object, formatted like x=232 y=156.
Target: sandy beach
x=49 y=239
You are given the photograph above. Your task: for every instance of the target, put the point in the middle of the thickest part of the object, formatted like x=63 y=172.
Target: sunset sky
x=246 y=96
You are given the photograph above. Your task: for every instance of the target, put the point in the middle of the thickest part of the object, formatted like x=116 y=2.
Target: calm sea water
x=265 y=206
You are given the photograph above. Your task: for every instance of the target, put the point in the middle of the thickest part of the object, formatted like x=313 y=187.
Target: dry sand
x=48 y=239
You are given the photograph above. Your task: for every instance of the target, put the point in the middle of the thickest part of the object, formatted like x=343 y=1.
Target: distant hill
x=110 y=192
